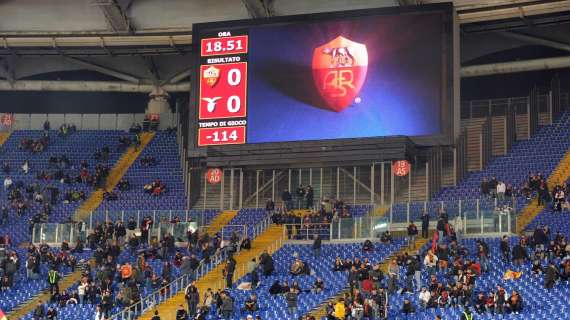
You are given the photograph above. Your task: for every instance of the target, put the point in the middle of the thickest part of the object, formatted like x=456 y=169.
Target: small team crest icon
x=339 y=70
x=211 y=74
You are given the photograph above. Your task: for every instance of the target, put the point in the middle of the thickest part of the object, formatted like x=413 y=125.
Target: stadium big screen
x=343 y=75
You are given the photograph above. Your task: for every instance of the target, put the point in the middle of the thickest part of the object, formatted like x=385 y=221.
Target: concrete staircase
x=4 y=137
x=220 y=221
x=44 y=296
x=115 y=175
x=418 y=187
x=271 y=240
x=91 y=204
x=213 y=194
x=558 y=177
x=320 y=311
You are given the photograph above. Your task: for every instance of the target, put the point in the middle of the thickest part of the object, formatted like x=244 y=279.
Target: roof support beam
x=115 y=15
x=537 y=40
x=409 y=2
x=522 y=11
x=516 y=66
x=88 y=86
x=259 y=8
x=6 y=71
x=177 y=77
x=152 y=68
x=103 y=70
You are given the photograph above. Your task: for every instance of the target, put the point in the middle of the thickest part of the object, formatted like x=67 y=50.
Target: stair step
x=271 y=240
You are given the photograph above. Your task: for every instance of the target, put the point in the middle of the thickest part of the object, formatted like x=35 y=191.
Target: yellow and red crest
x=339 y=70
x=211 y=74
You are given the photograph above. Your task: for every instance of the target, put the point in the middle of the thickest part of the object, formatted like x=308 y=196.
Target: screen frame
x=447 y=110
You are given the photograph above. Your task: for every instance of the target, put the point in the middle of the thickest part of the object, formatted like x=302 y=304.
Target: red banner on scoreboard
x=223 y=91
x=221 y=136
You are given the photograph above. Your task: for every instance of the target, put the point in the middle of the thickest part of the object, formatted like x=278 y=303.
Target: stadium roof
x=148 y=41
x=152 y=16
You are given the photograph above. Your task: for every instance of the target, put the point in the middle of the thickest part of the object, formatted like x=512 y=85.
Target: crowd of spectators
x=54 y=182
x=34 y=146
x=302 y=199
x=148 y=161
x=123 y=185
x=116 y=280
x=535 y=186
x=124 y=142
x=155 y=188
x=66 y=130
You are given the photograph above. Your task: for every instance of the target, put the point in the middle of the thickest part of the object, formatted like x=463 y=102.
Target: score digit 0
x=234 y=102
x=234 y=77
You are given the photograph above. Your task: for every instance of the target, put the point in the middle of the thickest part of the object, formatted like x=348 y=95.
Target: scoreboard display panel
x=357 y=74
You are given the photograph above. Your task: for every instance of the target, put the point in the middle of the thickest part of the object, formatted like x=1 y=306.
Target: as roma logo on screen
x=211 y=74
x=339 y=70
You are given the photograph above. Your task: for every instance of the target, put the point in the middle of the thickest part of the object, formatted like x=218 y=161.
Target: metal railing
x=201 y=217
x=179 y=231
x=178 y=285
x=342 y=229
x=226 y=231
x=406 y=212
x=477 y=218
x=500 y=106
x=170 y=290
x=55 y=233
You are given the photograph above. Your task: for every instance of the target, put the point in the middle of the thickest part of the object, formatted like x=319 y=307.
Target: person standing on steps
x=137 y=141
x=412 y=234
x=192 y=298
x=425 y=224
x=229 y=271
x=317 y=245
x=53 y=281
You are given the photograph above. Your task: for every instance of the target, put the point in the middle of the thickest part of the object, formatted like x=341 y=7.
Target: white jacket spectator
x=430 y=262
x=7 y=183
x=424 y=297
x=26 y=167
x=501 y=187
x=458 y=224
x=81 y=289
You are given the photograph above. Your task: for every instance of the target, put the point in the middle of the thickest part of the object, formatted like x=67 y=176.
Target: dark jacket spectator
x=407 y=307
x=266 y=263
